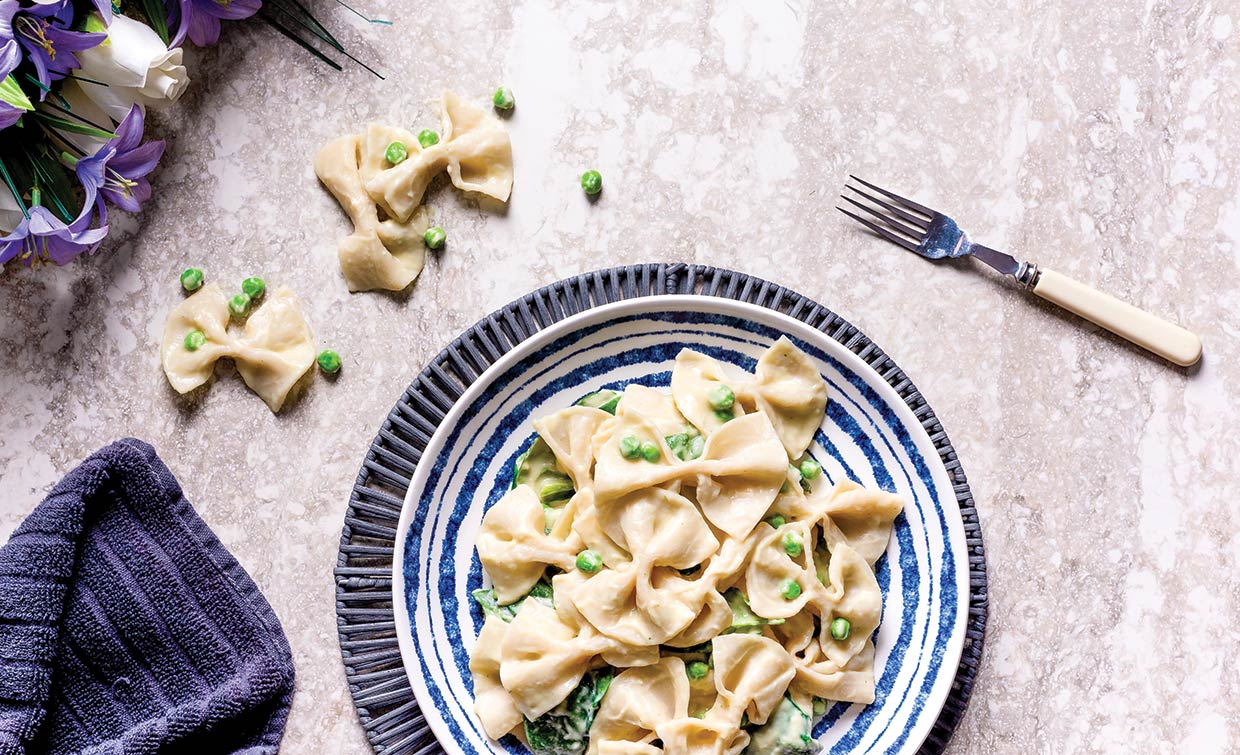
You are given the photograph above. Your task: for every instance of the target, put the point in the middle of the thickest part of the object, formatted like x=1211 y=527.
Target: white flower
x=135 y=65
x=84 y=108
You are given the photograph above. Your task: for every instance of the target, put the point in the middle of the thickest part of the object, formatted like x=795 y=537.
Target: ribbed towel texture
x=126 y=627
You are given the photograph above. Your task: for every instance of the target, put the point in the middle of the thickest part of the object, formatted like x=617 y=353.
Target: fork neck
x=1027 y=275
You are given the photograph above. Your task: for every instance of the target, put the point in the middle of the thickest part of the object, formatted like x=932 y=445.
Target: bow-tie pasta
x=388 y=252
x=674 y=585
x=272 y=354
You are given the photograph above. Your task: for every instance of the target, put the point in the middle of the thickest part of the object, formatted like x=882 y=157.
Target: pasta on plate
x=670 y=574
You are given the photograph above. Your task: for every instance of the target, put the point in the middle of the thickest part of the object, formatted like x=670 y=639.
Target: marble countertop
x=1102 y=140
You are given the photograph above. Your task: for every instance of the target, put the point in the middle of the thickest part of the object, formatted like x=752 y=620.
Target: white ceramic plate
x=869 y=435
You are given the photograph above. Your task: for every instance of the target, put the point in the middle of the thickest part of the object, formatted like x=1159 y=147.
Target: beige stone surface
x=1100 y=139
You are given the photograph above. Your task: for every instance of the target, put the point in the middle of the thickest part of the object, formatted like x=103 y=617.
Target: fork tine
x=880 y=230
x=917 y=235
x=929 y=213
x=916 y=220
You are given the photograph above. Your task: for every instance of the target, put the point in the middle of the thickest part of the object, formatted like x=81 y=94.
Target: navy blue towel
x=127 y=628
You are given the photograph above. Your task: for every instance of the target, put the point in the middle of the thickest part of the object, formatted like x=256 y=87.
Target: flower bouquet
x=75 y=79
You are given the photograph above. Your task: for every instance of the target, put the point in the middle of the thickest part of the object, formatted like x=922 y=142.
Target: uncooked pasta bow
x=272 y=354
x=667 y=579
x=388 y=253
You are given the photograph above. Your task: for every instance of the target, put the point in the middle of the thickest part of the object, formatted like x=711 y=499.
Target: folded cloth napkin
x=126 y=627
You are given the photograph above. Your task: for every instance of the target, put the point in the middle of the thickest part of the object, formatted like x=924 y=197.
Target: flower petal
x=129 y=132
x=234 y=9
x=204 y=29
x=9 y=115
x=138 y=162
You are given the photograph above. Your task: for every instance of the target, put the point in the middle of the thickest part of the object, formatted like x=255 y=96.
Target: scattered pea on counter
x=239 y=305
x=435 y=237
x=396 y=153
x=503 y=99
x=254 y=288
x=195 y=340
x=329 y=361
x=591 y=182
x=427 y=138
x=191 y=279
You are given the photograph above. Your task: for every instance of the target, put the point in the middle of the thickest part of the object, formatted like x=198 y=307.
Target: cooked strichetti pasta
x=664 y=580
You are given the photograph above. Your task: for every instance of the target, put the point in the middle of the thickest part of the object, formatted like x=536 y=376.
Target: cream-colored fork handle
x=1167 y=340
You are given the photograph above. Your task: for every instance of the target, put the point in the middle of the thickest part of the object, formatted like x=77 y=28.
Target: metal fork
x=934 y=235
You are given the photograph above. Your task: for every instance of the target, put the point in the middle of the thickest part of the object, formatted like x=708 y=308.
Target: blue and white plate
x=869 y=435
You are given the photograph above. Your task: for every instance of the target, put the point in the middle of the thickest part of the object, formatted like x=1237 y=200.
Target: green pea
x=820 y=706
x=630 y=447
x=435 y=237
x=699 y=714
x=396 y=153
x=697 y=670
x=254 y=288
x=329 y=361
x=840 y=629
x=427 y=138
x=589 y=561
x=195 y=340
x=720 y=397
x=724 y=415
x=776 y=521
x=790 y=589
x=591 y=182
x=810 y=469
x=191 y=279
x=239 y=305
x=793 y=545
x=650 y=451
x=696 y=445
x=503 y=99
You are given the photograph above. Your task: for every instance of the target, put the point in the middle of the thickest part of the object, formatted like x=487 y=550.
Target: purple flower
x=200 y=19
x=46 y=32
x=43 y=237
x=117 y=172
x=9 y=115
x=105 y=10
x=10 y=56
